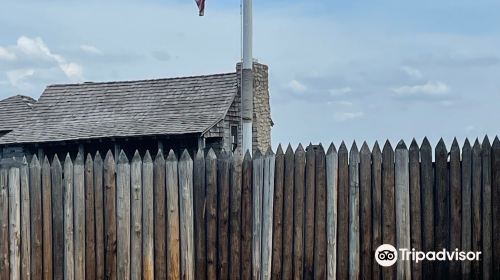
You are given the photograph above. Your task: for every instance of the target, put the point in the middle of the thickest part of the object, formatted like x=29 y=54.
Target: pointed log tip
x=342 y=144
x=387 y=146
x=136 y=156
x=354 y=147
x=56 y=158
x=289 y=148
x=200 y=154
x=279 y=151
x=97 y=154
x=248 y=156
x=300 y=148
x=320 y=148
x=401 y=145
x=376 y=147
x=211 y=154
x=79 y=157
x=25 y=160
x=269 y=151
x=34 y=161
x=109 y=157
x=257 y=154
x=486 y=141
x=331 y=149
x=122 y=158
x=426 y=142
x=147 y=157
x=414 y=145
x=476 y=143
x=185 y=156
x=454 y=145
x=88 y=158
x=441 y=141
x=171 y=156
x=46 y=160
x=496 y=143
x=365 y=148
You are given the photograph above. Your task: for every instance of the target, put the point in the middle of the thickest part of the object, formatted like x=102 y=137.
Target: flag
x=201 y=6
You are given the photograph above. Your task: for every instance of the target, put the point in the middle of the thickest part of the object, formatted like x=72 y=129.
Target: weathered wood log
x=320 y=240
x=199 y=192
x=476 y=207
x=354 y=234
x=455 y=206
x=223 y=215
x=173 y=225
x=25 y=222
x=147 y=218
x=160 y=217
x=110 y=241
x=186 y=215
x=246 y=216
x=402 y=195
x=278 y=214
x=14 y=223
x=495 y=192
x=388 y=204
x=47 y=220
x=79 y=216
x=486 y=211
x=35 y=171
x=343 y=214
x=123 y=216
x=90 y=260
x=365 y=212
x=442 y=205
x=415 y=207
x=4 y=223
x=258 y=181
x=287 y=253
x=267 y=214
x=466 y=239
x=298 y=212
x=57 y=218
x=99 y=216
x=69 y=252
x=211 y=180
x=376 y=207
x=309 y=214
x=427 y=189
x=331 y=210
x=235 y=218
x=136 y=216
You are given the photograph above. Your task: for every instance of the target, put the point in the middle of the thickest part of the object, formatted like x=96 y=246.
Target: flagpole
x=247 y=77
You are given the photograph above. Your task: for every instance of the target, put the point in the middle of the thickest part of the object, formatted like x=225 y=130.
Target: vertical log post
x=14 y=223
x=69 y=253
x=99 y=216
x=365 y=212
x=466 y=206
x=186 y=215
x=287 y=257
x=354 y=234
x=173 y=230
x=455 y=206
x=136 y=216
x=211 y=180
x=343 y=214
x=402 y=194
x=320 y=240
x=246 y=216
x=123 y=216
x=223 y=215
x=309 y=214
x=199 y=193
x=298 y=212
x=495 y=192
x=25 y=222
x=90 y=249
x=388 y=204
x=487 y=211
x=278 y=214
x=376 y=186
x=147 y=218
x=476 y=207
x=267 y=214
x=427 y=188
x=331 y=211
x=235 y=218
x=258 y=180
x=35 y=172
x=160 y=220
x=47 y=220
x=415 y=207
x=57 y=218
x=110 y=241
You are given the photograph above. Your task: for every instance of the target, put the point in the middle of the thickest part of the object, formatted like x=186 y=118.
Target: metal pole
x=247 y=77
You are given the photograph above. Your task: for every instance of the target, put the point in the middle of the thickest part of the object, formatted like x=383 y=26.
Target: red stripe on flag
x=201 y=6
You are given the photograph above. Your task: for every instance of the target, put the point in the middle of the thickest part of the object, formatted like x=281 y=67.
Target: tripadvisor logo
x=387 y=255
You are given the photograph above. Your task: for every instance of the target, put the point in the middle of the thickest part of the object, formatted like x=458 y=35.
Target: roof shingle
x=14 y=111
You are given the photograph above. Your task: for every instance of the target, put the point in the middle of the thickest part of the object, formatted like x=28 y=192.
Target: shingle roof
x=130 y=108
x=14 y=111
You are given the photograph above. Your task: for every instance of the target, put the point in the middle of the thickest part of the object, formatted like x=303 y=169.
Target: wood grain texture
x=235 y=218
x=35 y=171
x=186 y=216
x=476 y=207
x=223 y=215
x=57 y=218
x=287 y=253
x=343 y=214
x=147 y=218
x=211 y=180
x=90 y=249
x=276 y=271
x=442 y=204
x=267 y=214
x=173 y=224
x=310 y=193
x=320 y=240
x=376 y=206
x=25 y=222
x=427 y=189
x=365 y=212
x=455 y=206
x=14 y=223
x=388 y=204
x=99 y=216
x=69 y=251
x=199 y=192
x=495 y=192
x=331 y=211
x=4 y=223
x=486 y=211
x=160 y=217
x=298 y=212
x=136 y=216
x=415 y=207
x=258 y=181
x=466 y=238
x=47 y=220
x=79 y=216
x=354 y=234
x=402 y=195
x=123 y=217
x=246 y=216
x=110 y=241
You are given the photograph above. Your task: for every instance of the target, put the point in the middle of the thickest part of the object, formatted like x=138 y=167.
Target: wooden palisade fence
x=303 y=214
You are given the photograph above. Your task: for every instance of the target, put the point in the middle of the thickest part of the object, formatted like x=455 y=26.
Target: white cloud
x=5 y=54
x=17 y=77
x=412 y=72
x=346 y=116
x=90 y=49
x=344 y=103
x=428 y=89
x=340 y=91
x=297 y=86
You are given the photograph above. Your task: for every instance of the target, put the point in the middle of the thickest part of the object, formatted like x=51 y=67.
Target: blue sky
x=339 y=70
